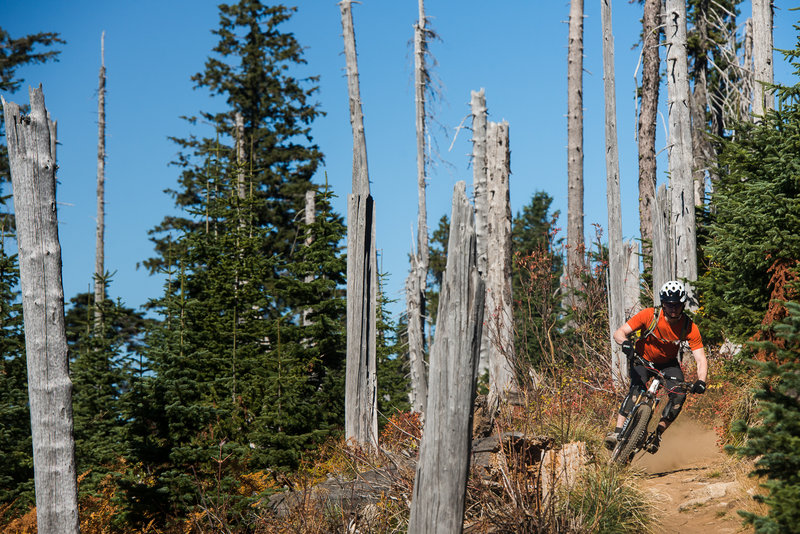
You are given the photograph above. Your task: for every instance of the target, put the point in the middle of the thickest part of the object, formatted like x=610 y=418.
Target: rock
x=701 y=496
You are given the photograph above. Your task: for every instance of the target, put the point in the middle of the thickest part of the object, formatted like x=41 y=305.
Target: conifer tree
x=775 y=441
x=16 y=469
x=252 y=69
x=392 y=368
x=751 y=241
x=100 y=369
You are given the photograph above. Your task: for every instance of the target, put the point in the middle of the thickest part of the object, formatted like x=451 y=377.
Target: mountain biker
x=662 y=332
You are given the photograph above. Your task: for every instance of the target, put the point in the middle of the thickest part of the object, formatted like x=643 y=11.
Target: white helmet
x=672 y=291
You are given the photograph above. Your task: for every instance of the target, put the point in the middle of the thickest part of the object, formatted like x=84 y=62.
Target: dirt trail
x=694 y=485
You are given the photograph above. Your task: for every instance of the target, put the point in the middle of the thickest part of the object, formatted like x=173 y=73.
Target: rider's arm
x=623 y=332
x=702 y=363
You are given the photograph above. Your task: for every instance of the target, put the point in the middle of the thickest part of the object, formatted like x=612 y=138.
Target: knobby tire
x=623 y=452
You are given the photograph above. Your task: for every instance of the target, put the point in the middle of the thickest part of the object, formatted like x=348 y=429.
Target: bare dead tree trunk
x=616 y=266
x=499 y=315
x=763 y=98
x=682 y=223
x=31 y=150
x=310 y=218
x=416 y=356
x=241 y=181
x=416 y=285
x=99 y=261
x=703 y=152
x=631 y=282
x=421 y=81
x=663 y=265
x=440 y=485
x=478 y=105
x=575 y=230
x=360 y=176
x=361 y=408
x=647 y=123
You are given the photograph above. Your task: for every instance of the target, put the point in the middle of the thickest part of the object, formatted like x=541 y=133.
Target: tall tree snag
x=416 y=288
x=361 y=408
x=616 y=266
x=478 y=106
x=763 y=98
x=663 y=266
x=440 y=485
x=99 y=265
x=647 y=123
x=575 y=240
x=682 y=221
x=31 y=151
x=499 y=315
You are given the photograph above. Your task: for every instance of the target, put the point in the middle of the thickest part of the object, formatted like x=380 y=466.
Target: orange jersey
x=662 y=345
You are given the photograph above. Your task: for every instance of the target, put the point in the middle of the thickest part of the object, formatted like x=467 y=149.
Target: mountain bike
x=635 y=435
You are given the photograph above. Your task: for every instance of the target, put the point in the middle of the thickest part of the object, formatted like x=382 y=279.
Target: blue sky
x=515 y=49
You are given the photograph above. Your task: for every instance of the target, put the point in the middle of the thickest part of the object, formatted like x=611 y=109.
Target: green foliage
x=101 y=350
x=15 y=53
x=251 y=69
x=16 y=469
x=393 y=381
x=775 y=442
x=756 y=211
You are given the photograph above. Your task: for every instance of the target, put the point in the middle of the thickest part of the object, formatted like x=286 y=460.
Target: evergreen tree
x=437 y=264
x=16 y=469
x=392 y=368
x=775 y=441
x=750 y=241
x=233 y=387
x=251 y=69
x=100 y=369
x=15 y=53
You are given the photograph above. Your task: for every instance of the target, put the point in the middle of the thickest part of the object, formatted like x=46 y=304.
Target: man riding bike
x=663 y=331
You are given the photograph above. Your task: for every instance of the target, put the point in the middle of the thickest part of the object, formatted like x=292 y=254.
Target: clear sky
x=515 y=49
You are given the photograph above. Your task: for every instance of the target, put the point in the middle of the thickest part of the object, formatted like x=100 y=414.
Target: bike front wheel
x=637 y=428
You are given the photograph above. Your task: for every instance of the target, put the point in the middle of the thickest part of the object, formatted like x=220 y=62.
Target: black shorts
x=640 y=375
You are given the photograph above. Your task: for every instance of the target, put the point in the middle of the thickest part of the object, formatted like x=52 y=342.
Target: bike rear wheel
x=637 y=429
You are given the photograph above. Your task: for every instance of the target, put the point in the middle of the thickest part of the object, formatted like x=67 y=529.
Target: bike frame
x=635 y=430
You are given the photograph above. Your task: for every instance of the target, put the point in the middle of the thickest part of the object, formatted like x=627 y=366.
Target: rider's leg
x=675 y=403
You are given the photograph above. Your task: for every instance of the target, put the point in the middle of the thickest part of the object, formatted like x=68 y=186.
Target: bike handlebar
x=681 y=386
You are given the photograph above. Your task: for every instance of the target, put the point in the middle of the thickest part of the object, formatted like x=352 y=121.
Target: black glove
x=628 y=348
x=699 y=387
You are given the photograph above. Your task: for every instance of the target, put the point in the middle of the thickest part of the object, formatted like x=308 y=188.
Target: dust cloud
x=686 y=442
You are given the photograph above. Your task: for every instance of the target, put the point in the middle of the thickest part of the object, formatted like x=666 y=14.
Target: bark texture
x=763 y=97
x=478 y=106
x=361 y=409
x=99 y=262
x=575 y=230
x=361 y=402
x=499 y=315
x=31 y=150
x=360 y=175
x=651 y=61
x=682 y=221
x=616 y=265
x=663 y=266
x=416 y=285
x=703 y=152
x=440 y=485
x=309 y=219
